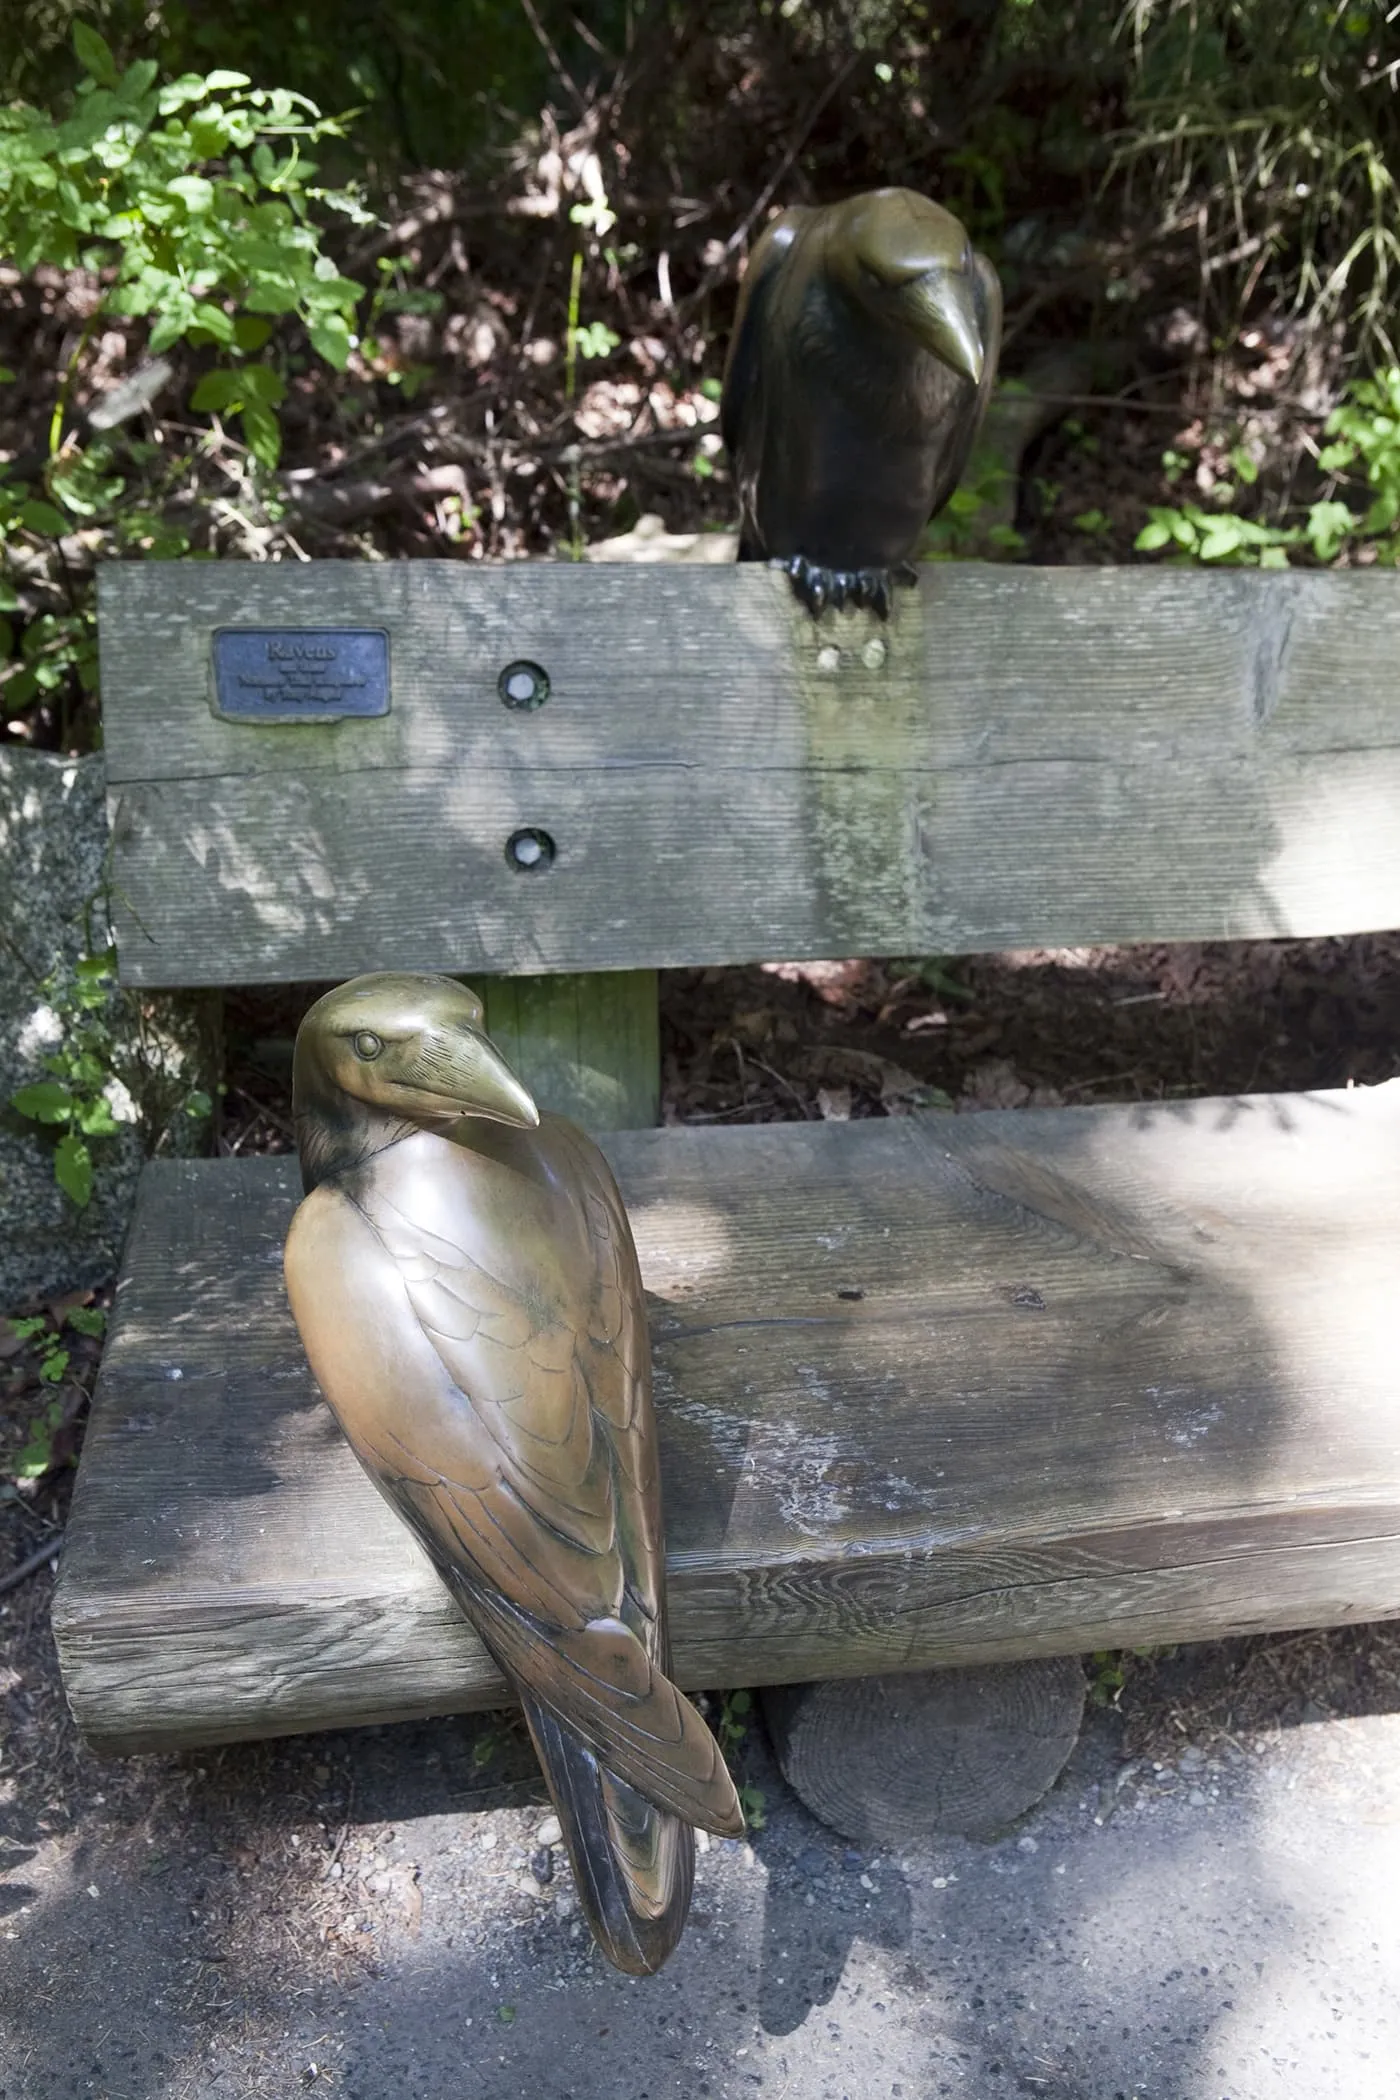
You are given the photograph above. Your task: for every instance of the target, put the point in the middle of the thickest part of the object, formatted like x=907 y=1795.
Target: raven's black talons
x=816 y=587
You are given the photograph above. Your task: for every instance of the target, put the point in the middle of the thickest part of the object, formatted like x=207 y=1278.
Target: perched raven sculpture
x=464 y=1279
x=864 y=352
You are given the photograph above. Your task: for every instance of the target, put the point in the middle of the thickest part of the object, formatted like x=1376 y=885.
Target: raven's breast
x=851 y=461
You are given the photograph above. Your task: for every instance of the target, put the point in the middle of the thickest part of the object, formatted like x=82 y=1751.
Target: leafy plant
x=754 y=1803
x=969 y=525
x=1365 y=430
x=1268 y=134
x=39 y=1452
x=1108 y=1676
x=731 y=1730
x=192 y=205
x=190 y=202
x=75 y=1100
x=733 y=1723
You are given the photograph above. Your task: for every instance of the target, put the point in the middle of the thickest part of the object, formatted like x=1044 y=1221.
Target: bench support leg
x=587 y=1046
x=957 y=1752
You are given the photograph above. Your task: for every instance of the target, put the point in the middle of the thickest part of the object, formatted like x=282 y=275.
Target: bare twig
x=546 y=44
x=770 y=188
x=40 y=1558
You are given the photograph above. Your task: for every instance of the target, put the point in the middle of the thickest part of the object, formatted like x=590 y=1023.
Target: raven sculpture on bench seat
x=463 y=1275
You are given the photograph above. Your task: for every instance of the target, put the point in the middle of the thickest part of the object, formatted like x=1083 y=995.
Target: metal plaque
x=300 y=674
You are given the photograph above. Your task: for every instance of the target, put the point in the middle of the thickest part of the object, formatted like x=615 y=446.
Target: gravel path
x=340 y=1915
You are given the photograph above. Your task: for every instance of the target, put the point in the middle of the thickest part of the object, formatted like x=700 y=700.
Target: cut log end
x=957 y=1752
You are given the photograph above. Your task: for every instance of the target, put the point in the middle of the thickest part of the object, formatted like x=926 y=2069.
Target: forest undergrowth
x=215 y=347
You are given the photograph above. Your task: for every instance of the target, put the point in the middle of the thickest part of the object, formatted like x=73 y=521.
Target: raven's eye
x=367 y=1045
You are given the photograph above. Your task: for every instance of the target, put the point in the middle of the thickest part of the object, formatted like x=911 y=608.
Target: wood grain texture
x=928 y=1753
x=1037 y=756
x=941 y=1390
x=587 y=1046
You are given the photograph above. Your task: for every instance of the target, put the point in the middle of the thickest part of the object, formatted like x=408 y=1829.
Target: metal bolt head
x=829 y=659
x=874 y=653
x=530 y=850
x=523 y=685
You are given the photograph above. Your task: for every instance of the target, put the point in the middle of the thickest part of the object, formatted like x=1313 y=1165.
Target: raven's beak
x=938 y=308
x=479 y=1082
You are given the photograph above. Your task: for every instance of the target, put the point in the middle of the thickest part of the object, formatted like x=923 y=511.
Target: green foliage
x=754 y=1803
x=435 y=80
x=191 y=201
x=733 y=1724
x=972 y=523
x=935 y=972
x=74 y=1099
x=38 y=1454
x=1108 y=1676
x=731 y=1731
x=1365 y=430
x=1271 y=128
x=73 y=1103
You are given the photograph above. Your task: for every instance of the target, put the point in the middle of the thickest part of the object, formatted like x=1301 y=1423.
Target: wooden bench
x=936 y=1390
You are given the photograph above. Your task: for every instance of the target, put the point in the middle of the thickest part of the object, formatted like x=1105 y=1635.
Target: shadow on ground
x=358 y=1914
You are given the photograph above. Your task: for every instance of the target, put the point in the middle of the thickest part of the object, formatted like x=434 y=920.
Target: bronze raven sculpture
x=465 y=1282
x=864 y=352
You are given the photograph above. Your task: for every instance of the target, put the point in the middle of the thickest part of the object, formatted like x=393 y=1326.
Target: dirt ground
x=1203 y=1908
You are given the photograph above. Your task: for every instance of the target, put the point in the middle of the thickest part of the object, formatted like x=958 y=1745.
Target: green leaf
x=198 y=1104
x=37 y=516
x=213 y=324
x=95 y=1119
x=51 y=1370
x=220 y=78
x=330 y=334
x=195 y=192
x=72 y=1168
x=1328 y=525
x=94 y=54
x=88 y=1319
x=47 y=1101
x=216 y=392
x=1222 y=539
x=595 y=338
x=1152 y=537
x=263 y=383
x=250 y=332
x=263 y=433
x=36 y=1456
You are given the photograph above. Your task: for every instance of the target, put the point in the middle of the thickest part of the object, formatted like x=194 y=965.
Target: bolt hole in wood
x=530 y=850
x=523 y=685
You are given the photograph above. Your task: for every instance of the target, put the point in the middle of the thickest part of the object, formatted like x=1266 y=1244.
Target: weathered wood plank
x=949 y=1389
x=1028 y=756
x=588 y=1047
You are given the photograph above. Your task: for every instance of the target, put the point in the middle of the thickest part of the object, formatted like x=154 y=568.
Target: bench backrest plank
x=1038 y=757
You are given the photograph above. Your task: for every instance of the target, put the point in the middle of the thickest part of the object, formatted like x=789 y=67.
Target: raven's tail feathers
x=633 y=1864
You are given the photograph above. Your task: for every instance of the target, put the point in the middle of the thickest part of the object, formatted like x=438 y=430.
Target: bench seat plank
x=931 y=1390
